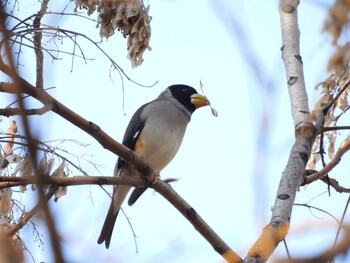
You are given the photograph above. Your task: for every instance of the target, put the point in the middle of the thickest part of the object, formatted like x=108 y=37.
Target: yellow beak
x=199 y=100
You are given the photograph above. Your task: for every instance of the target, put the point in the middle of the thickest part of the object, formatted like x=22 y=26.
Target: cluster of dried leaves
x=130 y=17
x=5 y=158
x=330 y=88
x=335 y=89
x=12 y=249
x=23 y=163
x=15 y=162
x=337 y=19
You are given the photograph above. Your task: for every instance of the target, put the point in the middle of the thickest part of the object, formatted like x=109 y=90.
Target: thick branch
x=10 y=181
x=305 y=132
x=197 y=221
x=293 y=63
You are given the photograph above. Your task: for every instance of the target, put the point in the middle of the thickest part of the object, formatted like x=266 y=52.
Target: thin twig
x=18 y=111
x=335 y=128
x=344 y=148
x=66 y=31
x=27 y=216
x=336 y=97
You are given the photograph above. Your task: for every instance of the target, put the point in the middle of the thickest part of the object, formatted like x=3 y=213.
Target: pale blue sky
x=228 y=170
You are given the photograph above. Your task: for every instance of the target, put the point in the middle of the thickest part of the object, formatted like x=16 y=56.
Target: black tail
x=136 y=193
x=108 y=225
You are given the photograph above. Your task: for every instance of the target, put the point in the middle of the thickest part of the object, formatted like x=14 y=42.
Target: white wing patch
x=136 y=134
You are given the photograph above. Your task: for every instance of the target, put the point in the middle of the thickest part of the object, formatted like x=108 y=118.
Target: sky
x=228 y=167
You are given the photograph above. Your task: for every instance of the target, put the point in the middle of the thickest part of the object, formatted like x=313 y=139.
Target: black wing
x=132 y=132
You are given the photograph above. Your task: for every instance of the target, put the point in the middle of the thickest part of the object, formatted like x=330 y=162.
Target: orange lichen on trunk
x=271 y=235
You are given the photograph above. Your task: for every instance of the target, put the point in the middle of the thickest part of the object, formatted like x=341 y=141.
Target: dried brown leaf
x=337 y=18
x=345 y=143
x=24 y=169
x=314 y=158
x=5 y=201
x=342 y=102
x=61 y=191
x=324 y=100
x=13 y=158
x=59 y=172
x=45 y=165
x=339 y=61
x=332 y=139
x=11 y=131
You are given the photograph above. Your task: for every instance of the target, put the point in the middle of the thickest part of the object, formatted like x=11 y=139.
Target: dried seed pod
x=59 y=172
x=24 y=168
x=130 y=17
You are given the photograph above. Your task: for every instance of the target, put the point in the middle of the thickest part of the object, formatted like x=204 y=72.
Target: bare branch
x=344 y=147
x=10 y=181
x=18 y=111
x=335 y=128
x=37 y=45
x=73 y=38
x=27 y=216
x=197 y=221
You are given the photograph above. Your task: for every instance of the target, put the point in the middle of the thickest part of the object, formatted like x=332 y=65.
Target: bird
x=155 y=132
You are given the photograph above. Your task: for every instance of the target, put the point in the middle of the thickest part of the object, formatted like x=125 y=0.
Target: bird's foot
x=155 y=178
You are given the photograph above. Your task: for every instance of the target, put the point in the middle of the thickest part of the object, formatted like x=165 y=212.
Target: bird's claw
x=155 y=178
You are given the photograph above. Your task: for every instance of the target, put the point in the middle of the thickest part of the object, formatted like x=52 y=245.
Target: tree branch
x=37 y=45
x=305 y=131
x=27 y=216
x=196 y=220
x=160 y=186
x=10 y=181
x=344 y=147
x=7 y=112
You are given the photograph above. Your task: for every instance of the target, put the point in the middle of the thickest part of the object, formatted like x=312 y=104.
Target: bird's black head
x=183 y=94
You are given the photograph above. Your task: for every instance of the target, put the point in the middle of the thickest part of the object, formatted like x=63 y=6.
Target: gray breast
x=164 y=130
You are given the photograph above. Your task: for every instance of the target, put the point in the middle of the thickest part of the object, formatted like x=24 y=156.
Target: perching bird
x=155 y=132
